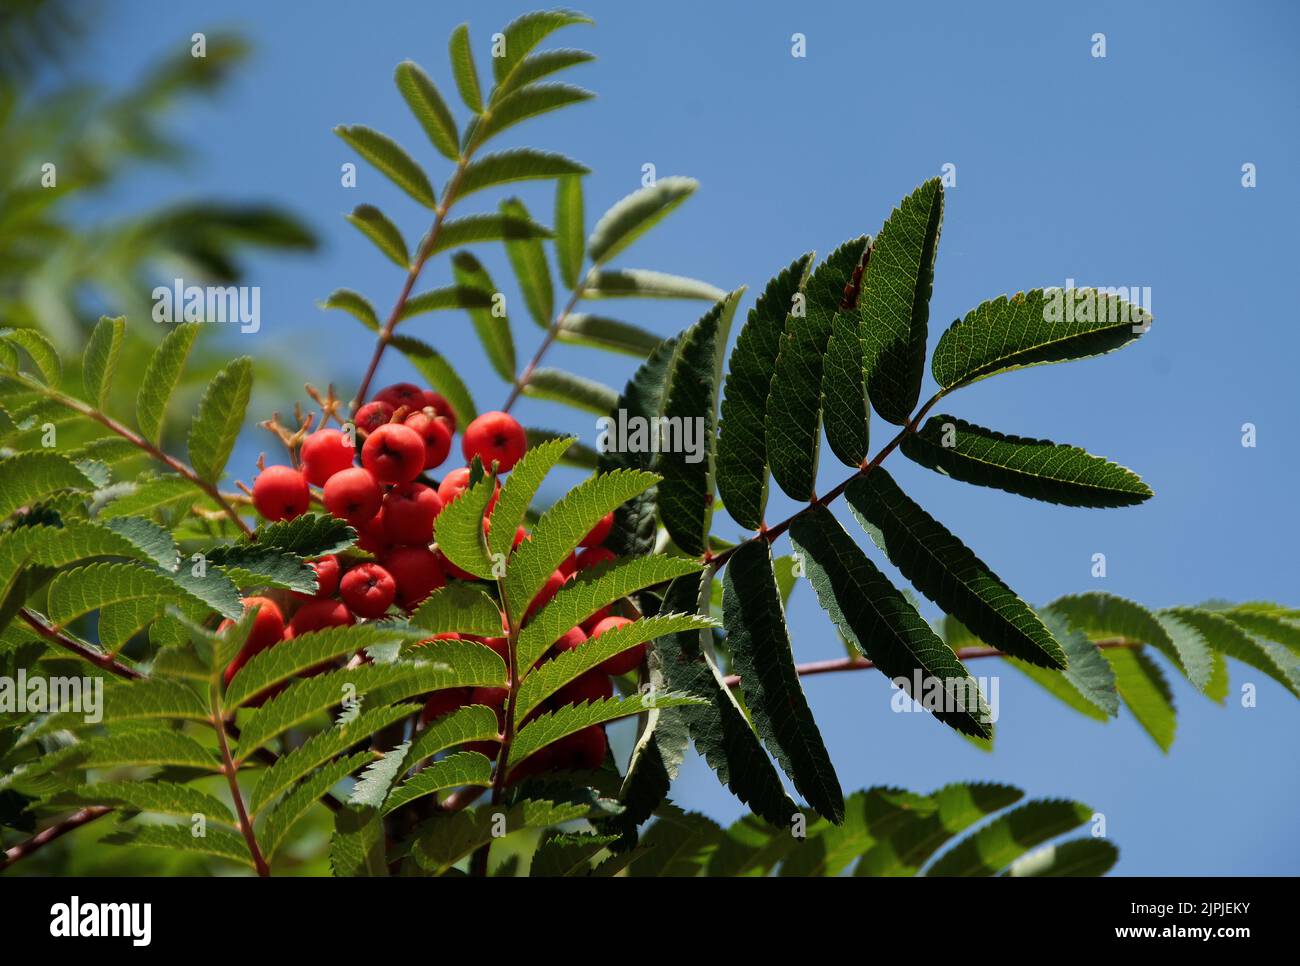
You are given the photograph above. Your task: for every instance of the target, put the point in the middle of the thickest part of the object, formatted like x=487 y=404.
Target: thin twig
x=552 y=333
x=44 y=837
x=97 y=658
x=229 y=769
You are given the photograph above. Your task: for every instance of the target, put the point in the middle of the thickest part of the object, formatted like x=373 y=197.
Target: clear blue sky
x=1122 y=171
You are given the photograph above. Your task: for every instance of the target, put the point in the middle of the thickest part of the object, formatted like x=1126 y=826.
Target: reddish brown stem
x=97 y=658
x=44 y=837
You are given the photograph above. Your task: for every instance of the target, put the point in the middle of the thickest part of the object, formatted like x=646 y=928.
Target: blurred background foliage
x=66 y=256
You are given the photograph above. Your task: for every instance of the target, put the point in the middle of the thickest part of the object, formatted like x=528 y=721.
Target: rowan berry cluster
x=393 y=503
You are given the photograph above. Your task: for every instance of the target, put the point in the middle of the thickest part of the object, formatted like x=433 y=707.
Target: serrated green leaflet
x=720 y=729
x=895 y=305
x=517 y=164
x=761 y=654
x=1033 y=328
x=446 y=839
x=1100 y=614
x=550 y=676
x=519 y=490
x=560 y=528
x=357 y=845
x=634 y=215
x=280 y=818
x=458 y=609
x=1036 y=468
x=99 y=361
x=1145 y=692
x=40 y=350
x=600 y=332
x=429 y=108
x=462 y=768
x=464 y=69
x=161 y=797
x=160 y=379
x=1077 y=857
x=355 y=304
x=793 y=416
x=309 y=535
x=476 y=722
x=290 y=658
x=520 y=105
x=33 y=475
x=391 y=159
x=884 y=627
x=152 y=747
x=569 y=244
x=80 y=591
x=588 y=592
x=570 y=718
x=690 y=402
x=374 y=224
x=485 y=228
x=532 y=271
x=522 y=35
x=1273 y=626
x=219 y=419
x=611 y=283
x=459 y=529
x=320 y=748
x=250 y=565
x=845 y=410
x=1232 y=639
x=945 y=570
x=1002 y=841
x=217 y=841
x=491 y=322
x=559 y=385
x=372 y=787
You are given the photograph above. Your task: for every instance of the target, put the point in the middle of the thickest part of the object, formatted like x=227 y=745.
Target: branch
x=135 y=439
x=228 y=767
x=425 y=252
x=964 y=654
x=551 y=334
x=97 y=658
x=74 y=821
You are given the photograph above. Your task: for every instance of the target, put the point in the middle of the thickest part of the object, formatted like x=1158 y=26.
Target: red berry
x=353 y=495
x=599 y=532
x=494 y=436
x=368 y=589
x=327 y=578
x=316 y=615
x=393 y=453
x=498 y=644
x=594 y=557
x=569 y=640
x=267 y=629
x=457 y=482
x=535 y=764
x=569 y=565
x=281 y=493
x=401 y=394
x=624 y=661
x=494 y=698
x=594 y=685
x=372 y=536
x=409 y=512
x=444 y=702
x=324 y=453
x=439 y=405
x=553 y=584
x=373 y=415
x=590 y=623
x=436 y=436
x=583 y=750
x=417 y=572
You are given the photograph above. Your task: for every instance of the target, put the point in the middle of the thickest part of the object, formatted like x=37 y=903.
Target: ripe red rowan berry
x=373 y=415
x=417 y=573
x=625 y=661
x=372 y=536
x=569 y=640
x=457 y=482
x=327 y=578
x=599 y=532
x=394 y=453
x=401 y=394
x=593 y=685
x=494 y=436
x=281 y=493
x=594 y=557
x=368 y=589
x=549 y=589
x=444 y=702
x=316 y=615
x=436 y=436
x=408 y=512
x=353 y=495
x=324 y=453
